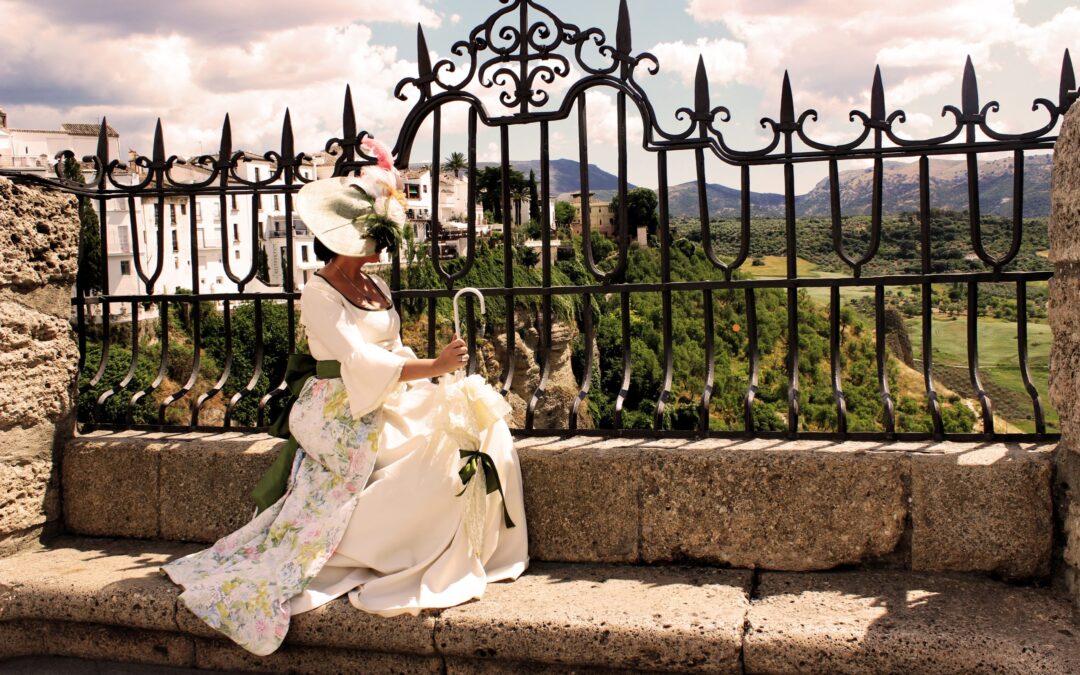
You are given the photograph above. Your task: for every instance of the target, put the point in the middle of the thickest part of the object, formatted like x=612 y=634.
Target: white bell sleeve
x=370 y=372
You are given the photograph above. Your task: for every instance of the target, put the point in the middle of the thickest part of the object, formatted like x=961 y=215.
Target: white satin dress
x=406 y=547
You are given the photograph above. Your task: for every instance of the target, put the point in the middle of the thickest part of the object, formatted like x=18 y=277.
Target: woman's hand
x=453 y=356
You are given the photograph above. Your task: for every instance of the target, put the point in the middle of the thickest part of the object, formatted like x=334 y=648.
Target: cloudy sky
x=191 y=62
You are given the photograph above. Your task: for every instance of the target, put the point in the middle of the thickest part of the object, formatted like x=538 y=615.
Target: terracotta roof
x=88 y=130
x=71 y=130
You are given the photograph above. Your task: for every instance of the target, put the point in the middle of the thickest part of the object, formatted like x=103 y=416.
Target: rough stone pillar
x=39 y=234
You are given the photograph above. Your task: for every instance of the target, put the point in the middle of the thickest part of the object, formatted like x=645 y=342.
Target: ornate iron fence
x=523 y=53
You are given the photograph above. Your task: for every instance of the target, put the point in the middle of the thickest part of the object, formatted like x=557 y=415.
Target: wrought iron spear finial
x=877 y=97
x=1067 y=88
x=622 y=31
x=102 y=154
x=701 y=93
x=423 y=58
x=787 y=105
x=348 y=116
x=225 y=149
x=969 y=102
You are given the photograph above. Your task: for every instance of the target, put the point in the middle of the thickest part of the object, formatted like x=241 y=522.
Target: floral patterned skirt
x=242 y=584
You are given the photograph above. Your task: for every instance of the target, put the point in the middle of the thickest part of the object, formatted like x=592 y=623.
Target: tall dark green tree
x=88 y=276
x=534 y=198
x=640 y=210
x=262 y=264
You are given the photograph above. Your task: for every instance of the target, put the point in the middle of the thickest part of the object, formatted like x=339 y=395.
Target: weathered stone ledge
x=777 y=505
x=106 y=599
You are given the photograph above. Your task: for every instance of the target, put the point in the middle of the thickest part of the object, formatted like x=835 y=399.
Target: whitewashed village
x=225 y=238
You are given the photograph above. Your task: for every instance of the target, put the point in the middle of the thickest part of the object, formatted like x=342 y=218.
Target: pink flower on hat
x=380 y=151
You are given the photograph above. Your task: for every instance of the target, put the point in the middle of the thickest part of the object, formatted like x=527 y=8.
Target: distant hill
x=900 y=191
x=948 y=189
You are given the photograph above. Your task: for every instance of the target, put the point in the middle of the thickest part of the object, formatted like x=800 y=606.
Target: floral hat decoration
x=357 y=216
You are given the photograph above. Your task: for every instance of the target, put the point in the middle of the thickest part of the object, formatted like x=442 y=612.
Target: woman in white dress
x=375 y=506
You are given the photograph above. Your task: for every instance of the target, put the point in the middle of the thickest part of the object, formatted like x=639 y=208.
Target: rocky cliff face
x=39 y=233
x=561 y=388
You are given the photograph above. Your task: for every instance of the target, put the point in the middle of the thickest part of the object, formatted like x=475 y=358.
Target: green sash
x=300 y=369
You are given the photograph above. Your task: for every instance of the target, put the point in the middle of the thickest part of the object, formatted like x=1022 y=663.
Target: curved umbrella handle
x=467 y=289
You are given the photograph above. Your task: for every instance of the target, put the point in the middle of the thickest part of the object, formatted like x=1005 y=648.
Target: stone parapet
x=778 y=505
x=38 y=355
x=106 y=599
x=1064 y=231
x=890 y=622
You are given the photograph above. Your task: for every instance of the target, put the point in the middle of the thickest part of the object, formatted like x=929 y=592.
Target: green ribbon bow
x=491 y=477
x=300 y=369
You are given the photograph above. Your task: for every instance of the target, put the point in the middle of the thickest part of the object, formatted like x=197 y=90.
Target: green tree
x=565 y=212
x=534 y=199
x=88 y=276
x=456 y=163
x=641 y=206
x=262 y=265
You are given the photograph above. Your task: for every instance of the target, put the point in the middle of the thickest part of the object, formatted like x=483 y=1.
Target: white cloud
x=831 y=48
x=140 y=77
x=214 y=21
x=725 y=60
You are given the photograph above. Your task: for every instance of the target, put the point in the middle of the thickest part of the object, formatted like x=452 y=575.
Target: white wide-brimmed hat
x=340 y=211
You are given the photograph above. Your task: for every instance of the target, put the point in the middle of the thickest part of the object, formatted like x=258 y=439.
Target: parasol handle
x=457 y=320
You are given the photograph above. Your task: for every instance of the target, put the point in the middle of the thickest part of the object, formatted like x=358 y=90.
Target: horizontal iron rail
x=627 y=287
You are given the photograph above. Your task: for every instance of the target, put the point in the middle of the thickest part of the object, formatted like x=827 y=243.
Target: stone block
x=899 y=622
x=1064 y=226
x=40 y=244
x=581 y=505
x=665 y=618
x=790 y=509
x=339 y=624
x=92 y=641
x=206 y=484
x=29 y=486
x=461 y=666
x=1065 y=350
x=38 y=360
x=101 y=581
x=111 y=487
x=220 y=655
x=987 y=509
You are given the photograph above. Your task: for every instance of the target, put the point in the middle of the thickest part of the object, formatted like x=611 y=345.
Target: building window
x=157 y=214
x=412 y=191
x=256 y=174
x=303 y=253
x=425 y=189
x=124 y=238
x=175 y=242
x=236 y=254
x=125 y=268
x=277 y=207
x=236 y=232
x=183 y=208
x=172 y=213
x=234 y=207
x=198 y=212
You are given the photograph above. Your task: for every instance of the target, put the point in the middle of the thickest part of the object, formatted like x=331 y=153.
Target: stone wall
x=39 y=234
x=1065 y=353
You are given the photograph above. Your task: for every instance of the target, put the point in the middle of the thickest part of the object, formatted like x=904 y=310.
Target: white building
x=35 y=150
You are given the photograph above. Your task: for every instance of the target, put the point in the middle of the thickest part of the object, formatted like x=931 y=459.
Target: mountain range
x=900 y=193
